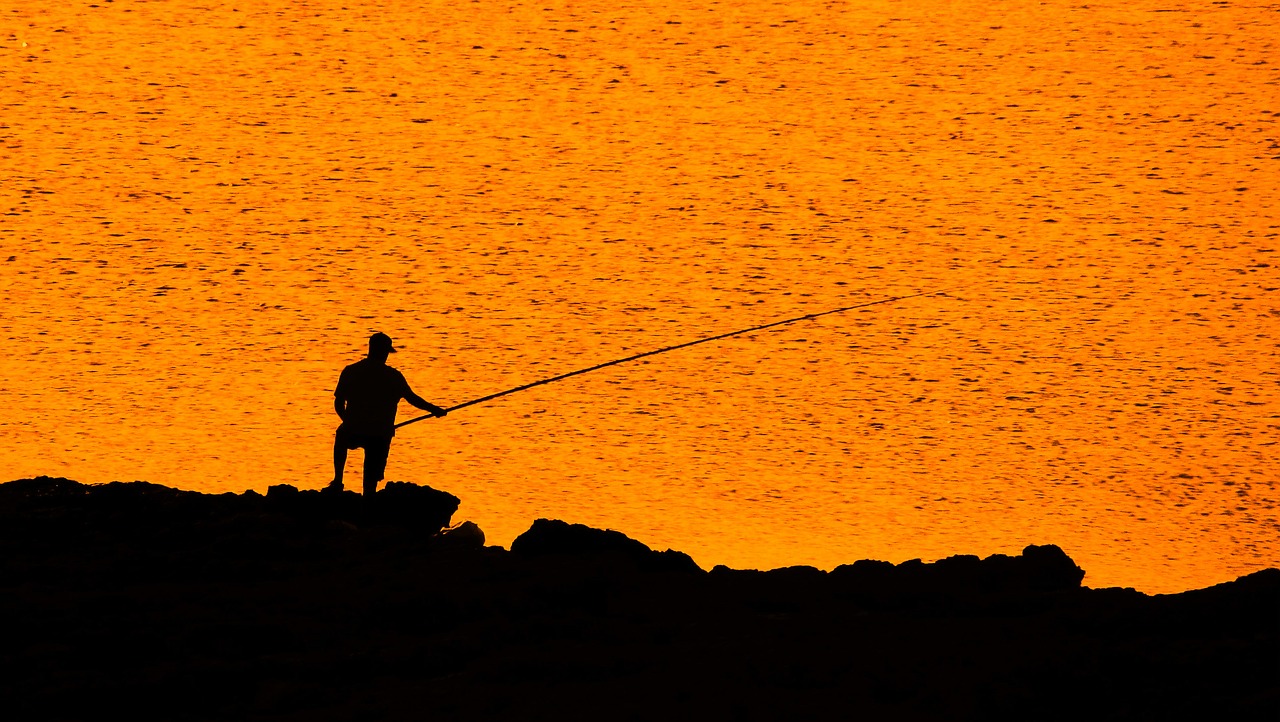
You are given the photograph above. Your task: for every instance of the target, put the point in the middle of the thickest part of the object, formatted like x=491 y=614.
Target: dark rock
x=864 y=572
x=69 y=513
x=1048 y=568
x=467 y=535
x=133 y=599
x=671 y=560
x=408 y=504
x=552 y=537
x=46 y=488
x=282 y=491
x=1039 y=570
x=798 y=574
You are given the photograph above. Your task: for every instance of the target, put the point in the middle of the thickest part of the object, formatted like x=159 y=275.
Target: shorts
x=376 y=450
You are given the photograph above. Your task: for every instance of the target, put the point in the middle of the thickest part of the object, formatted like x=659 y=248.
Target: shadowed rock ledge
x=308 y=605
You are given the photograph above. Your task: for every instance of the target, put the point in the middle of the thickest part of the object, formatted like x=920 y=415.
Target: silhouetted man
x=366 y=399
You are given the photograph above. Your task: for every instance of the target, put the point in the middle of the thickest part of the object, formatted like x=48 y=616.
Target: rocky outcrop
x=555 y=538
x=142 y=601
x=1038 y=570
x=138 y=530
x=146 y=508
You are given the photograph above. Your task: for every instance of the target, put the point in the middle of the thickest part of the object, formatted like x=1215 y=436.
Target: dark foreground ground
x=157 y=603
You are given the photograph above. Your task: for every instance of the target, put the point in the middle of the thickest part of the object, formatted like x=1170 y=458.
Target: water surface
x=208 y=206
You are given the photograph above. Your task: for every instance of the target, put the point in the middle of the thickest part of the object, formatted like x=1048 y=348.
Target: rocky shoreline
x=303 y=605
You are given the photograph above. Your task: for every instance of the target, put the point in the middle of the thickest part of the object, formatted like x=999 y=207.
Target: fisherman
x=368 y=393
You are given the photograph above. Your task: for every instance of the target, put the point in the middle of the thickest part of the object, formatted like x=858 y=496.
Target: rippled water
x=208 y=207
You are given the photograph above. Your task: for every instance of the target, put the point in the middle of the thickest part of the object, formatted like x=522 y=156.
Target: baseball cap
x=381 y=342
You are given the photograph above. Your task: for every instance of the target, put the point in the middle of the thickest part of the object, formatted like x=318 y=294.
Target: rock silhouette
x=552 y=537
x=158 y=603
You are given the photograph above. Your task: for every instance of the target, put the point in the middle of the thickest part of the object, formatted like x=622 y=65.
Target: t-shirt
x=372 y=392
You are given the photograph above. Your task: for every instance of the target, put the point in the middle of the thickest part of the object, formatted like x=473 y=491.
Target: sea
x=207 y=206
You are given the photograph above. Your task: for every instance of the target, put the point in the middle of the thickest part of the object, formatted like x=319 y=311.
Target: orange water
x=208 y=206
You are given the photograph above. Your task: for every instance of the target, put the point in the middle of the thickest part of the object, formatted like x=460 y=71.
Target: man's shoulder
x=354 y=368
x=366 y=369
x=395 y=375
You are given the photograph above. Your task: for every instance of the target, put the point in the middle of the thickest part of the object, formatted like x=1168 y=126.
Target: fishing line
x=655 y=352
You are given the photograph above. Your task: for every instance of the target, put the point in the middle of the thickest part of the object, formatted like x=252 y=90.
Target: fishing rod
x=655 y=352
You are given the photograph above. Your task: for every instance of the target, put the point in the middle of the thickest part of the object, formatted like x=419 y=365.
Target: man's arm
x=422 y=403
x=340 y=405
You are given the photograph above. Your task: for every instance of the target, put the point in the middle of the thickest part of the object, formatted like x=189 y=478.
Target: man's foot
x=334 y=485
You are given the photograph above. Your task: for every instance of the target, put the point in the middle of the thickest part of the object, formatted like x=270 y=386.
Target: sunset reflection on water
x=208 y=208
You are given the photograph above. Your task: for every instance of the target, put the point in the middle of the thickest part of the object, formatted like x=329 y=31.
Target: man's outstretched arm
x=423 y=404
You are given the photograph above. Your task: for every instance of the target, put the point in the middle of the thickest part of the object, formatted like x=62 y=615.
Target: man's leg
x=376 y=451
x=339 y=460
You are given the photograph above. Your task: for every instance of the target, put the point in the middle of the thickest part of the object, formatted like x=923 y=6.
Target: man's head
x=380 y=345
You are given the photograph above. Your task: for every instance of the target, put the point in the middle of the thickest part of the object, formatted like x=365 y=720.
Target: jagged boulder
x=50 y=492
x=66 y=513
x=552 y=537
x=1039 y=569
x=1048 y=568
x=400 y=503
x=421 y=507
x=37 y=491
x=66 y=509
x=467 y=535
